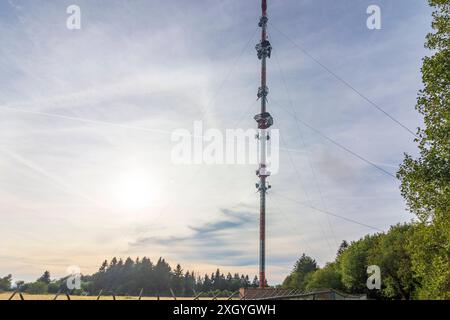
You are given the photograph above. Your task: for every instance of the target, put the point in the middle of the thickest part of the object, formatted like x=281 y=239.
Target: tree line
x=392 y=251
x=414 y=258
x=129 y=277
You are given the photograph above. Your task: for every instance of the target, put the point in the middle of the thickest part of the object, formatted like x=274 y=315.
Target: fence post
x=231 y=297
x=14 y=294
x=99 y=294
x=197 y=297
x=140 y=294
x=173 y=294
x=56 y=295
x=59 y=293
x=215 y=296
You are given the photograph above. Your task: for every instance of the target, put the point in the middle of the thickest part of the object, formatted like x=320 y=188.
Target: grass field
x=42 y=297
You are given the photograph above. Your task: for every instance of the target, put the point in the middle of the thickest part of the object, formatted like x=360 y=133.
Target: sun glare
x=134 y=191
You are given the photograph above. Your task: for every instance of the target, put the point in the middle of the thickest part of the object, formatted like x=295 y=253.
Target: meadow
x=42 y=297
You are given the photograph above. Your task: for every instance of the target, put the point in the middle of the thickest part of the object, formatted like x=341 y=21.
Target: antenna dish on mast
x=265 y=120
x=264 y=49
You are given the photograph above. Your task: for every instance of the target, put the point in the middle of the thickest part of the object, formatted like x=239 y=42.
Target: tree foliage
x=5 y=283
x=353 y=263
x=37 y=287
x=45 y=277
x=390 y=251
x=425 y=181
x=325 y=278
x=302 y=270
x=344 y=245
x=129 y=277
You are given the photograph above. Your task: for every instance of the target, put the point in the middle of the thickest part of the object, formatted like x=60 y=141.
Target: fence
x=244 y=294
x=103 y=293
x=286 y=294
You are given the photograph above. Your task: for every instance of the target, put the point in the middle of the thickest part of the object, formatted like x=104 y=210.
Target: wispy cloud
x=211 y=241
x=79 y=108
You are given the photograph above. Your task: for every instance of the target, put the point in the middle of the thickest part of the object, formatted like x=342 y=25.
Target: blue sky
x=82 y=109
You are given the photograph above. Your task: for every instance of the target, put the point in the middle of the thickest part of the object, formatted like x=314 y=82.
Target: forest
x=128 y=277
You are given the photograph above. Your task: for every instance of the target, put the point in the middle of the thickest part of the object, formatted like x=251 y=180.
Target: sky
x=86 y=118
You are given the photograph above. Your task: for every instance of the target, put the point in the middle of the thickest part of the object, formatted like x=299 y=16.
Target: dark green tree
x=325 y=278
x=104 y=266
x=299 y=275
x=207 y=284
x=162 y=276
x=37 y=287
x=20 y=284
x=145 y=275
x=177 y=280
x=5 y=283
x=344 y=245
x=247 y=281
x=353 y=263
x=255 y=282
x=390 y=253
x=189 y=284
x=113 y=262
x=45 y=278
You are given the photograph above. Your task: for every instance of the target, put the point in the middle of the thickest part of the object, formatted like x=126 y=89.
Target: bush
x=37 y=287
x=326 y=278
x=5 y=283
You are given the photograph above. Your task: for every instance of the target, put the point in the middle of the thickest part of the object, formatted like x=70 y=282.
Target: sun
x=134 y=191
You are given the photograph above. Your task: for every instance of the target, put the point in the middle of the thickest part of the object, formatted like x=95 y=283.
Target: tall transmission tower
x=265 y=121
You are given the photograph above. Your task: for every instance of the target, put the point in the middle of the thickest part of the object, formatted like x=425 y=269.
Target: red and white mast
x=265 y=121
